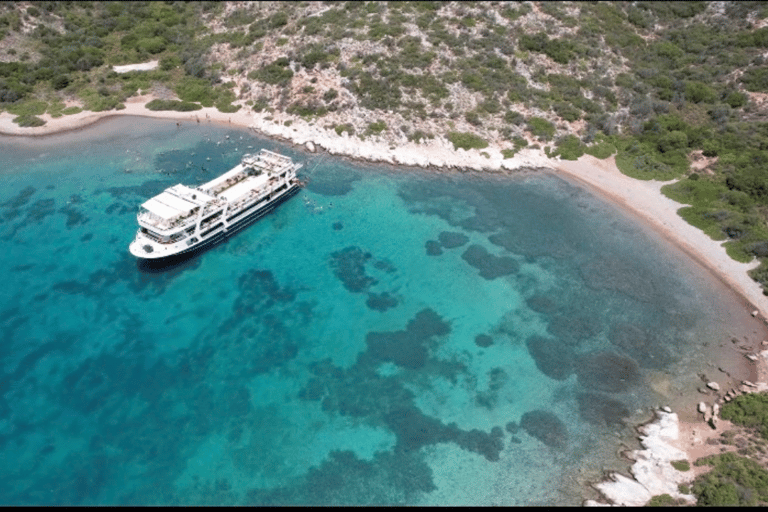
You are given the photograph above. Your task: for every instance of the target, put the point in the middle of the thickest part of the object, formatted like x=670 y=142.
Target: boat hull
x=213 y=240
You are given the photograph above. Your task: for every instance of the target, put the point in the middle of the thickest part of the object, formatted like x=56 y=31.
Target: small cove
x=385 y=337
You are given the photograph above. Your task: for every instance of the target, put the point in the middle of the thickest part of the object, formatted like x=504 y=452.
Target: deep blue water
x=387 y=336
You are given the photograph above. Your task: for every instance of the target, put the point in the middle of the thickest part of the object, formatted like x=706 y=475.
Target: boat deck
x=242 y=188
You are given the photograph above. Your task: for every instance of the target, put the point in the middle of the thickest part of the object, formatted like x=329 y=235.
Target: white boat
x=184 y=220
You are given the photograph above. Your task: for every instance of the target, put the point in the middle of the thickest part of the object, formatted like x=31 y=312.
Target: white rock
x=652 y=470
x=310 y=146
x=713 y=385
x=755 y=313
x=702 y=407
x=666 y=408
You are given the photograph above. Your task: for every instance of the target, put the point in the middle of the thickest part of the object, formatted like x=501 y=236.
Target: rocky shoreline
x=666 y=439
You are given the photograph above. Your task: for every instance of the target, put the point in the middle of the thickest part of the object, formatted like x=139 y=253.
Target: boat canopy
x=168 y=206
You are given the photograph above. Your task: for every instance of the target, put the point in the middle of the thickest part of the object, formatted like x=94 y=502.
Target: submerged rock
x=433 y=248
x=381 y=301
x=574 y=329
x=553 y=358
x=348 y=265
x=451 y=240
x=490 y=266
x=643 y=345
x=607 y=371
x=546 y=427
x=542 y=304
x=600 y=409
x=483 y=340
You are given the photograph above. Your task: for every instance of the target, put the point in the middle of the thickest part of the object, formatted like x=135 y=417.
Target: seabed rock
x=653 y=472
x=714 y=386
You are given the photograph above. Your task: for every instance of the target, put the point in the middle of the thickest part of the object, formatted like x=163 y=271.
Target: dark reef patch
x=384 y=266
x=451 y=240
x=542 y=304
x=348 y=265
x=338 y=226
x=74 y=217
x=497 y=377
x=338 y=183
x=647 y=348
x=381 y=301
x=260 y=331
x=527 y=241
x=483 y=340
x=86 y=237
x=259 y=289
x=600 y=409
x=39 y=210
x=607 y=371
x=414 y=430
x=343 y=479
x=621 y=275
x=433 y=248
x=574 y=329
x=553 y=358
x=490 y=266
x=408 y=348
x=546 y=427
x=13 y=207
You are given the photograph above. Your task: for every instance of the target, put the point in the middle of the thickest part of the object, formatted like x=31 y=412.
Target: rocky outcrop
x=652 y=470
x=437 y=152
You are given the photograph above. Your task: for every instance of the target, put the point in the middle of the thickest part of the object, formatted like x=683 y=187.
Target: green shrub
x=28 y=121
x=569 y=148
x=178 y=106
x=508 y=153
x=541 y=128
x=750 y=410
x=681 y=465
x=196 y=90
x=734 y=480
x=276 y=73
x=662 y=500
x=376 y=128
x=346 y=127
x=467 y=140
x=28 y=108
x=601 y=150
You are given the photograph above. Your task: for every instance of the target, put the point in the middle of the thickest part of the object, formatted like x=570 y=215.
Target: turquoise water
x=384 y=337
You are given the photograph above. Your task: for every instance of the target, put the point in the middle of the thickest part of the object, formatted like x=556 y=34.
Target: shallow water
x=385 y=337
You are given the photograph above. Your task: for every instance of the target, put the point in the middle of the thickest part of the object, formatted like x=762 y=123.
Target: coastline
x=641 y=198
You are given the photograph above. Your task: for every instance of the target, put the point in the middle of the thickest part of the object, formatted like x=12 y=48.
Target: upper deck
x=173 y=206
x=179 y=205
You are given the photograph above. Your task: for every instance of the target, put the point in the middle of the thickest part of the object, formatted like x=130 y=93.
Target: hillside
x=675 y=89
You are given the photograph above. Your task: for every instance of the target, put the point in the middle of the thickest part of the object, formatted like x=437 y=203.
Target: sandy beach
x=642 y=198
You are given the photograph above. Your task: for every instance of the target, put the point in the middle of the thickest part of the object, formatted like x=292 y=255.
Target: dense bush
x=750 y=410
x=467 y=141
x=734 y=480
x=559 y=50
x=276 y=73
x=541 y=128
x=179 y=106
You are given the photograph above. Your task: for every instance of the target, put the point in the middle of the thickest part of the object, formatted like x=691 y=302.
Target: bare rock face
x=653 y=472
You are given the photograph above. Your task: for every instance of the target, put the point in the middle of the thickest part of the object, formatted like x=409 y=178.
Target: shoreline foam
x=643 y=199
